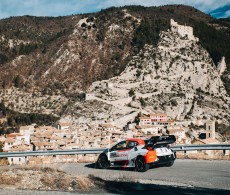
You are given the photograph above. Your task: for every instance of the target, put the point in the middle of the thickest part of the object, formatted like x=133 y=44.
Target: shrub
x=142 y=101
x=131 y=92
x=174 y=103
x=138 y=73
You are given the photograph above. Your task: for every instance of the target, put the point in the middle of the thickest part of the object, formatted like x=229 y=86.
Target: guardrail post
x=185 y=156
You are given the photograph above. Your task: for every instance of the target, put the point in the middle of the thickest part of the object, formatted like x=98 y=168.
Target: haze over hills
x=47 y=64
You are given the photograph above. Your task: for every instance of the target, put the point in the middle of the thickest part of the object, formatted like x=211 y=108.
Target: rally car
x=139 y=153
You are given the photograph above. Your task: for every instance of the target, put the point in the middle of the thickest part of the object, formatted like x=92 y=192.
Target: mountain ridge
x=48 y=63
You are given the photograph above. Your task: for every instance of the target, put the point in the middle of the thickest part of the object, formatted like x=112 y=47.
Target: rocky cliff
x=177 y=77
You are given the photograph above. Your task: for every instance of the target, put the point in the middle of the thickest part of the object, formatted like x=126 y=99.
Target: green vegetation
x=138 y=73
x=18 y=82
x=223 y=130
x=142 y=101
x=174 y=103
x=27 y=119
x=148 y=32
x=36 y=32
x=15 y=119
x=131 y=92
x=216 y=42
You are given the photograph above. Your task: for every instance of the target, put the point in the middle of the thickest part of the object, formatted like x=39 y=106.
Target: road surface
x=184 y=177
x=197 y=173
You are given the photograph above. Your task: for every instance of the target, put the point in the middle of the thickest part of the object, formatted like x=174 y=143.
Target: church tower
x=210 y=129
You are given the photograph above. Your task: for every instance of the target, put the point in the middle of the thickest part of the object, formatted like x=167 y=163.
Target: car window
x=131 y=144
x=124 y=145
x=119 y=146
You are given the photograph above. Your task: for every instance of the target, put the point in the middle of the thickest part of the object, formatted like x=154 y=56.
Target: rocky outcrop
x=178 y=77
x=222 y=66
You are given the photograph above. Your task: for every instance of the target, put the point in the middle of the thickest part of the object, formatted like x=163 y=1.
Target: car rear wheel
x=140 y=164
x=103 y=162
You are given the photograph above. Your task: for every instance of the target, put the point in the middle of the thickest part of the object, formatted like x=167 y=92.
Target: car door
x=133 y=152
x=119 y=154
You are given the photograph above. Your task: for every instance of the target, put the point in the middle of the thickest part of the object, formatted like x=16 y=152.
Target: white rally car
x=139 y=153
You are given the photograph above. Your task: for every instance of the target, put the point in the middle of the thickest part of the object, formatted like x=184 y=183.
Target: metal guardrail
x=184 y=148
x=201 y=147
x=51 y=152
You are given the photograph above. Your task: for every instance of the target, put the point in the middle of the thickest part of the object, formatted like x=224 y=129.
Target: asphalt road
x=184 y=177
x=190 y=173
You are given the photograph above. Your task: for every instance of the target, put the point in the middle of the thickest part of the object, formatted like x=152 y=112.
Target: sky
x=217 y=8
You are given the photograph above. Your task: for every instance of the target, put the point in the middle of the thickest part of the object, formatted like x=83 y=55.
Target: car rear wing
x=160 y=140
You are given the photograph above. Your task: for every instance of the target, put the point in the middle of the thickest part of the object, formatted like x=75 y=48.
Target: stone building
x=183 y=30
x=210 y=129
x=89 y=96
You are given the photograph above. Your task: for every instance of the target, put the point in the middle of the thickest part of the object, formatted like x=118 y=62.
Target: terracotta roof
x=27 y=128
x=165 y=121
x=153 y=114
x=50 y=128
x=9 y=140
x=38 y=135
x=104 y=142
x=210 y=140
x=34 y=139
x=65 y=124
x=68 y=132
x=13 y=135
x=175 y=130
x=107 y=125
x=58 y=131
x=56 y=137
x=60 y=142
x=69 y=140
x=41 y=143
x=116 y=133
x=144 y=117
x=73 y=144
x=138 y=127
x=145 y=126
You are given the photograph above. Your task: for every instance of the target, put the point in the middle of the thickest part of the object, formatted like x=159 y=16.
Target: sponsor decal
x=113 y=155
x=120 y=155
x=117 y=154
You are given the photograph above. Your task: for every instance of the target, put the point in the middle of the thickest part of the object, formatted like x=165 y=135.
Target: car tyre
x=102 y=162
x=169 y=164
x=140 y=164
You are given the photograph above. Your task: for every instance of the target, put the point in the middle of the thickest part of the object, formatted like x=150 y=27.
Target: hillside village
x=129 y=93
x=67 y=136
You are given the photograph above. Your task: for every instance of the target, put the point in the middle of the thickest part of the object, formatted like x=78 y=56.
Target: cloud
x=221 y=12
x=60 y=7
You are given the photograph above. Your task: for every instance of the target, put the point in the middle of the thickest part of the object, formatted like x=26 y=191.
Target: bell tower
x=210 y=129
